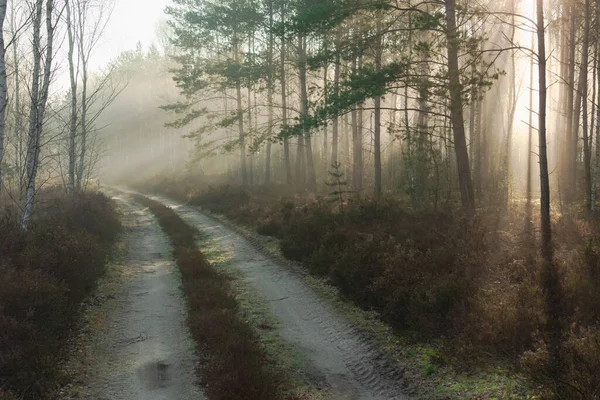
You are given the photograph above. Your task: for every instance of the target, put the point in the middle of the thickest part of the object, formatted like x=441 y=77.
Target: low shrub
x=46 y=273
x=577 y=377
x=389 y=260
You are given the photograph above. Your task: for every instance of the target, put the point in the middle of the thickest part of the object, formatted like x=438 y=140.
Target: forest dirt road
x=338 y=358
x=144 y=350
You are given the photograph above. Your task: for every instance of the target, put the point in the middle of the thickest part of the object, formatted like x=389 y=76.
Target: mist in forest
x=196 y=126
x=437 y=162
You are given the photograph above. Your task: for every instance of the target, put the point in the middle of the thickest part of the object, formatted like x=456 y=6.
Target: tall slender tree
x=39 y=97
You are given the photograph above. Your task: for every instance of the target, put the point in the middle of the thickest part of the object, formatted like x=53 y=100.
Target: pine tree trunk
x=456 y=109
x=335 y=127
x=570 y=162
x=270 y=84
x=597 y=160
x=346 y=144
x=355 y=145
x=310 y=168
x=325 y=154
x=551 y=284
x=286 y=142
x=240 y=118
x=512 y=98
x=249 y=133
x=530 y=129
x=544 y=179
x=377 y=116
x=581 y=104
x=359 y=140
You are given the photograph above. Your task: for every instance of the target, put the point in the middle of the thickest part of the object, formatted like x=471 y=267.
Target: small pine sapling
x=338 y=183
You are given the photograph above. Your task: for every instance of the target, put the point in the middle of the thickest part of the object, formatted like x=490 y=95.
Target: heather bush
x=46 y=273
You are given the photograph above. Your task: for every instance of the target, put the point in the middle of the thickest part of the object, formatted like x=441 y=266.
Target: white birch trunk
x=38 y=104
x=73 y=120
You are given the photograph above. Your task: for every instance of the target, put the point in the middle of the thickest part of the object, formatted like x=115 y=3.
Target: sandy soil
x=339 y=358
x=144 y=350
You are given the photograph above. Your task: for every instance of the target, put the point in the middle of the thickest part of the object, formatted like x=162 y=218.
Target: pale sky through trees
x=131 y=21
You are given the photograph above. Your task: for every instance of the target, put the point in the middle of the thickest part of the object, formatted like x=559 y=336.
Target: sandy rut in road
x=145 y=351
x=339 y=358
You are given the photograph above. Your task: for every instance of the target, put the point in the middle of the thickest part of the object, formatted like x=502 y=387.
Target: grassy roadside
x=94 y=319
x=234 y=363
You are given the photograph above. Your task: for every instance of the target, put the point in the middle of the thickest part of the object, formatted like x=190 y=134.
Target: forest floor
x=137 y=345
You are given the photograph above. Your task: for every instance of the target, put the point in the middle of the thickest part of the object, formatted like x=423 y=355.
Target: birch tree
x=39 y=97
x=92 y=17
x=73 y=80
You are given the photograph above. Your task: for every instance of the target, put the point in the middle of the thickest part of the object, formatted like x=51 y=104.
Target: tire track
x=143 y=351
x=339 y=357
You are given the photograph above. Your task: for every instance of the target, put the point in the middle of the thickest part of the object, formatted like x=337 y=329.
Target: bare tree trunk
x=336 y=122
x=530 y=130
x=38 y=103
x=550 y=277
x=17 y=107
x=477 y=144
x=597 y=160
x=269 y=96
x=346 y=143
x=73 y=120
x=593 y=111
x=391 y=150
x=312 y=179
x=325 y=164
x=240 y=118
x=544 y=180
x=249 y=133
x=456 y=109
x=474 y=92
x=512 y=98
x=242 y=137
x=286 y=142
x=300 y=174
x=3 y=86
x=581 y=105
x=377 y=128
x=84 y=100
x=359 y=141
x=570 y=159
x=355 y=145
